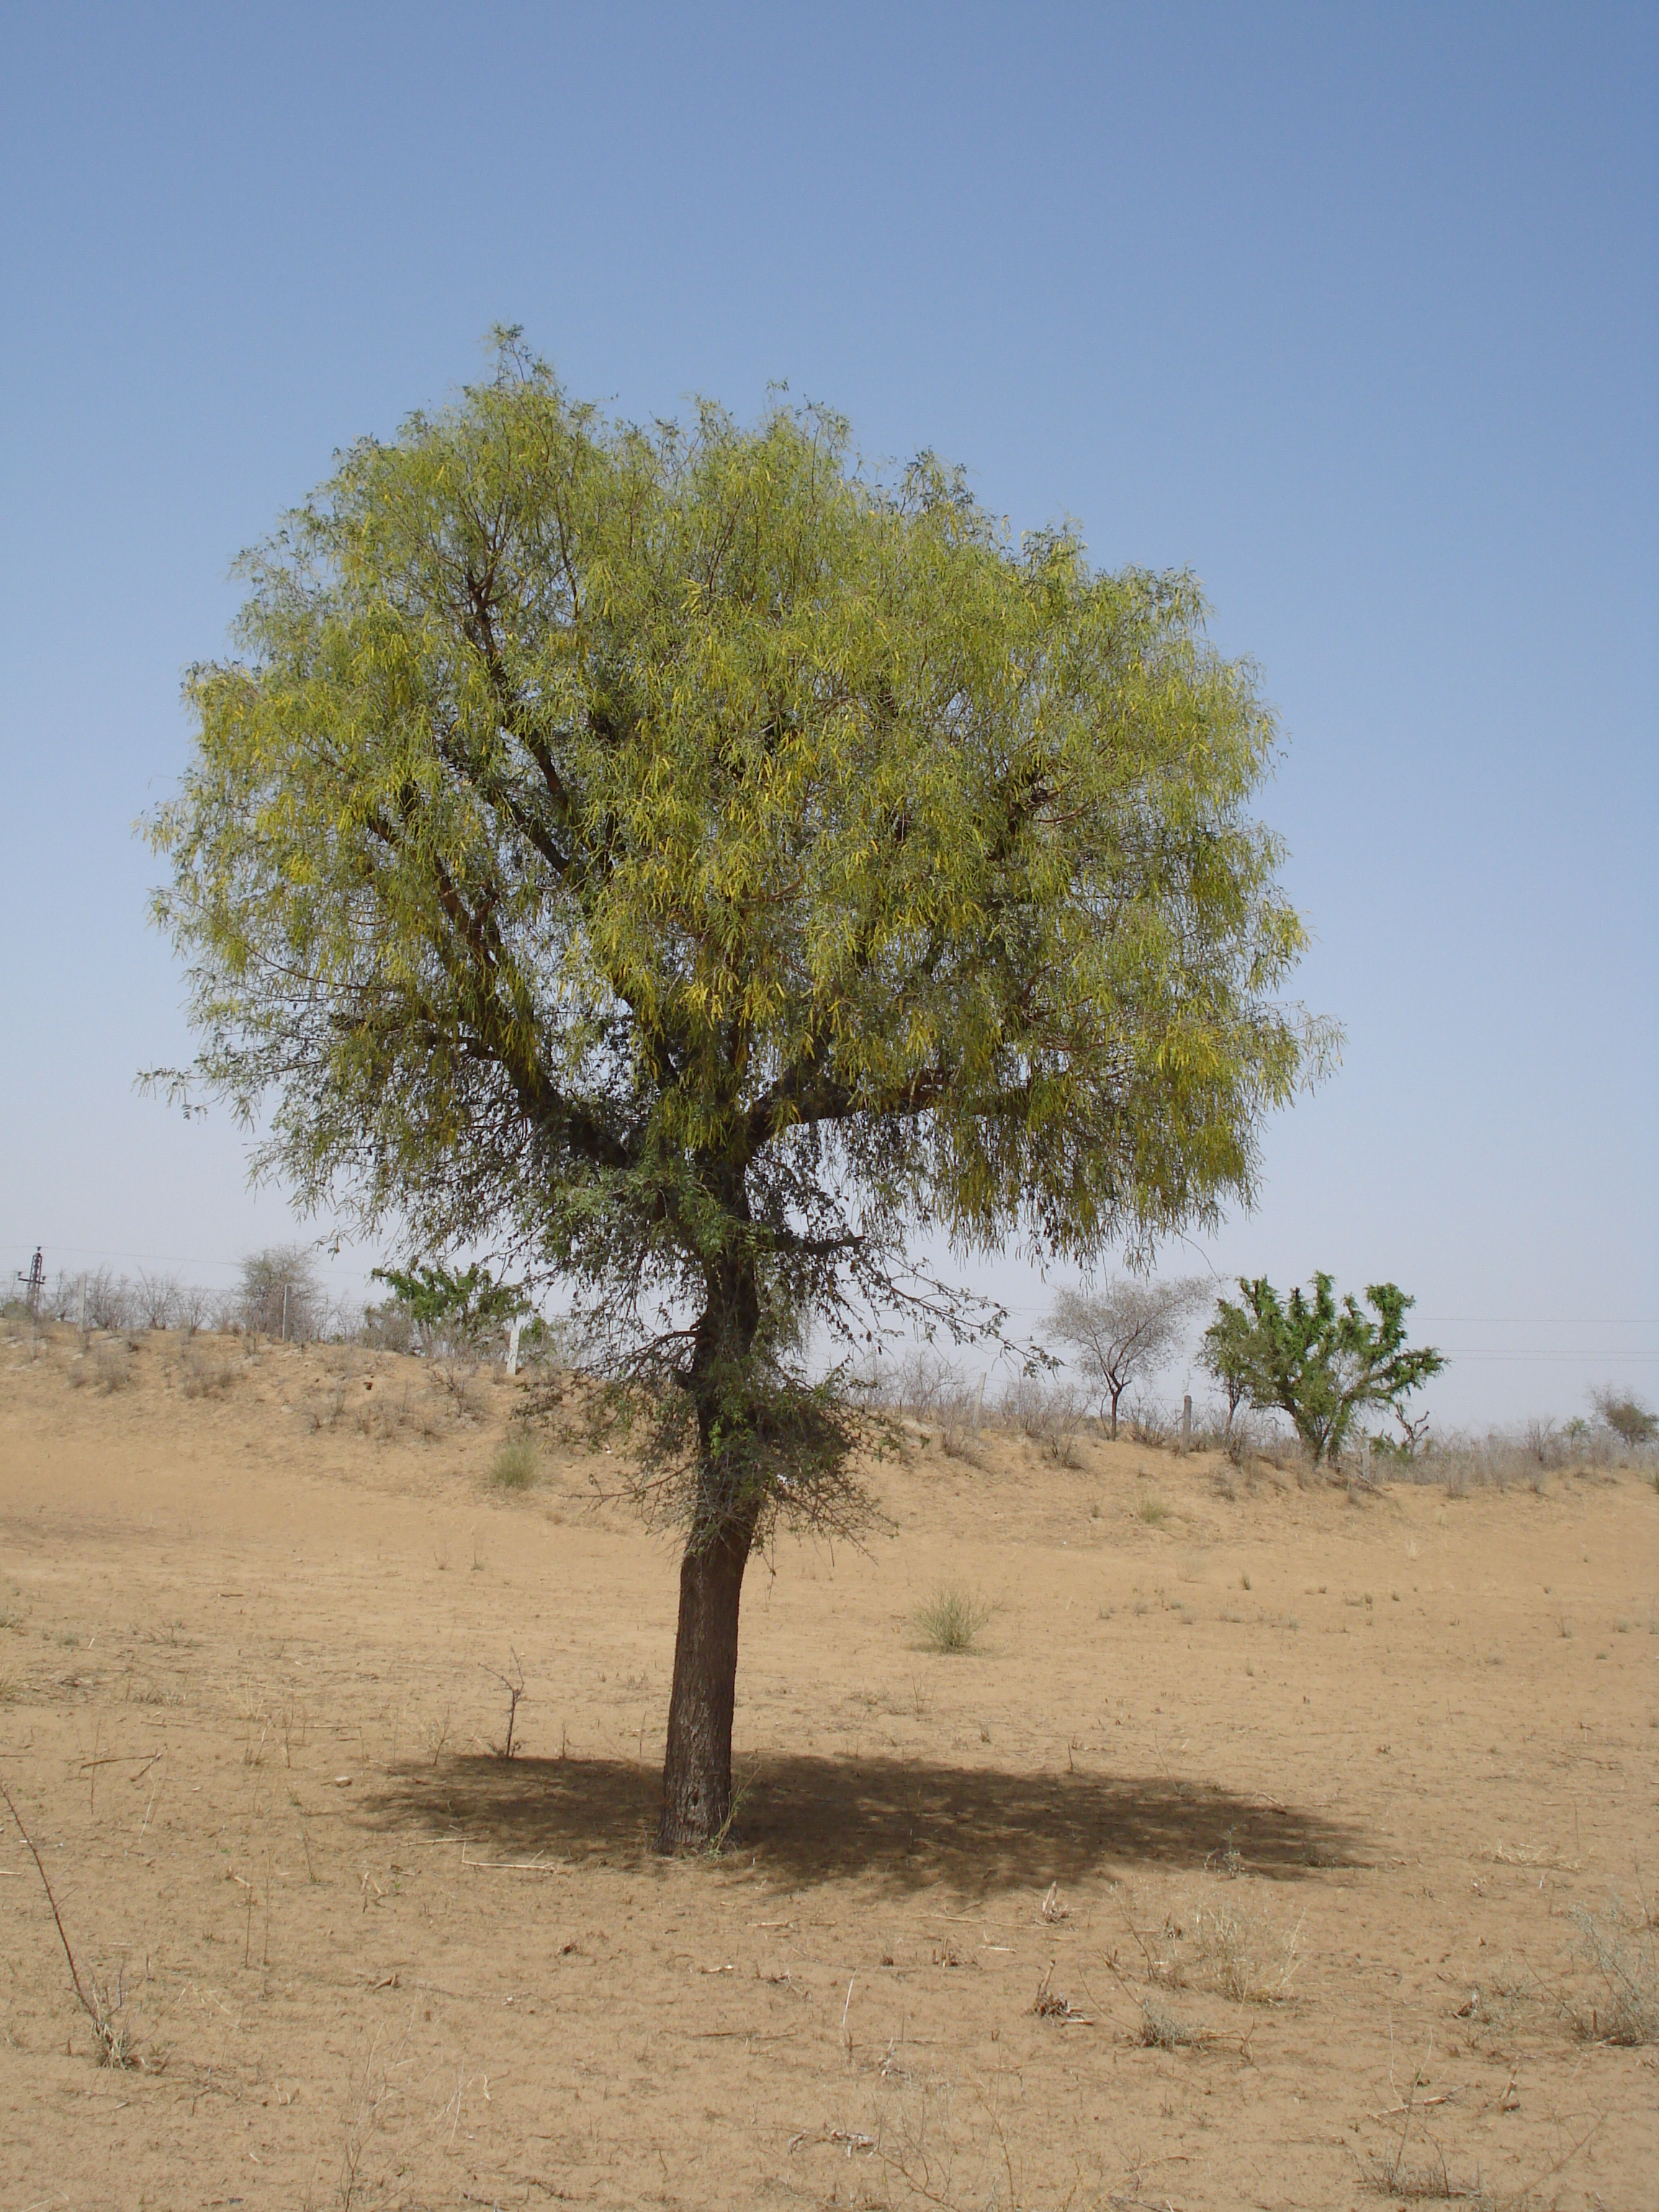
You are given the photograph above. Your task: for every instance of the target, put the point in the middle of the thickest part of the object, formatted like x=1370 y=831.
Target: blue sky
x=1352 y=310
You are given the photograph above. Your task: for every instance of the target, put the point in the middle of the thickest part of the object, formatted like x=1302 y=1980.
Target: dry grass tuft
x=200 y=1376
x=517 y=1463
x=950 y=1620
x=109 y=1369
x=1422 y=2181
x=1242 y=1955
x=1619 y=1947
x=1163 y=2030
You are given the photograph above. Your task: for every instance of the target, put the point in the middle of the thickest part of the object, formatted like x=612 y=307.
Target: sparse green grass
x=517 y=1463
x=950 y=1621
x=1153 y=1510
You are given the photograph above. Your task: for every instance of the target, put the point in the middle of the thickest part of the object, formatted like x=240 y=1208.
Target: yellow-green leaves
x=651 y=843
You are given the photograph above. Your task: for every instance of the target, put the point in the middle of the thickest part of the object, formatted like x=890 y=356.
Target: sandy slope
x=1362 y=1758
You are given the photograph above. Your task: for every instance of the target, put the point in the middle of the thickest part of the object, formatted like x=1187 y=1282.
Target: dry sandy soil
x=1239 y=1865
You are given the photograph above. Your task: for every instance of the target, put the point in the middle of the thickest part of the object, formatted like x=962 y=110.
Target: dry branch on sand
x=102 y=2007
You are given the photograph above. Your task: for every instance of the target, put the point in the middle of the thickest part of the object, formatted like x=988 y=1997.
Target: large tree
x=684 y=861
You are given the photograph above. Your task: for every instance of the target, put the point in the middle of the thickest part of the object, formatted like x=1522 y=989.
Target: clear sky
x=1351 y=309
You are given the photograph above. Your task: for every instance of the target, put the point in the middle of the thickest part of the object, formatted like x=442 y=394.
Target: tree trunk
x=696 y=1777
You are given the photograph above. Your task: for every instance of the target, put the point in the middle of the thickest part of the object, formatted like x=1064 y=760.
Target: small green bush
x=950 y=1620
x=517 y=1463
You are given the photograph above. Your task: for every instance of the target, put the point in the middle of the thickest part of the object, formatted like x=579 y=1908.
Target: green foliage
x=453 y=1308
x=1633 y=1423
x=692 y=863
x=1316 y=1360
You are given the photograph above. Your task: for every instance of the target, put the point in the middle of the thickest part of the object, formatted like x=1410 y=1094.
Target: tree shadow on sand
x=810 y=1818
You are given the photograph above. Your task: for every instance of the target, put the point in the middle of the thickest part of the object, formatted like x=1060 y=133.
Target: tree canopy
x=690 y=863
x=1317 y=1360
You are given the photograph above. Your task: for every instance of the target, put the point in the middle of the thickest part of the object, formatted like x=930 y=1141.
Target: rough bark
x=696 y=1779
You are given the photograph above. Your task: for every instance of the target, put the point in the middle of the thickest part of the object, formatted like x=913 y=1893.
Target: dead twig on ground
x=114 y=2042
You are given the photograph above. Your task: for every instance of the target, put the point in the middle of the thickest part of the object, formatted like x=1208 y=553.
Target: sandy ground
x=1309 y=1788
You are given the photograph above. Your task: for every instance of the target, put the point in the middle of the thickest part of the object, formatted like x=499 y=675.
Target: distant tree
x=1229 y=1355
x=1316 y=1360
x=280 y=1293
x=460 y=1307
x=1625 y=1413
x=690 y=866
x=1125 y=1331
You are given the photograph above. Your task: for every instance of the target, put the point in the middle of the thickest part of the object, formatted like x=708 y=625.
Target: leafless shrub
x=1425 y=2179
x=110 y=1301
x=281 y=1295
x=156 y=1301
x=924 y=1381
x=324 y=1408
x=1462 y=1460
x=1619 y=1947
x=934 y=1392
x=1248 y=1436
x=1149 y=1424
x=457 y=1378
x=111 y=1368
x=203 y=1377
x=1049 y=1413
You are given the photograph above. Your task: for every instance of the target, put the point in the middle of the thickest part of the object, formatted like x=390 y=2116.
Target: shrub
x=950 y=1620
x=204 y=1378
x=1049 y=1413
x=110 y=1369
x=1620 y=1951
x=1624 y=1412
x=517 y=1463
x=110 y=1302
